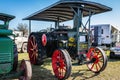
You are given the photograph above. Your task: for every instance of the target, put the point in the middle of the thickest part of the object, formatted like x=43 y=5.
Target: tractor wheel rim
x=59 y=64
x=32 y=49
x=44 y=40
x=99 y=61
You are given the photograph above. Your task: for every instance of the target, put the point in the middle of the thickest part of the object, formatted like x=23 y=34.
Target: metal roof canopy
x=65 y=10
x=6 y=17
x=62 y=10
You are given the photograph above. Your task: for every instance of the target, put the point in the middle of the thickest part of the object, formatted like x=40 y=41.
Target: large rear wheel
x=97 y=58
x=61 y=64
x=34 y=49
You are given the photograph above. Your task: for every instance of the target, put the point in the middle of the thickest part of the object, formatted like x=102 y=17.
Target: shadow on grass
x=114 y=59
x=83 y=74
x=41 y=73
x=44 y=72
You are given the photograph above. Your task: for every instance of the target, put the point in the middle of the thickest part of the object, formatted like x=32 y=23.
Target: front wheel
x=61 y=64
x=97 y=58
x=25 y=66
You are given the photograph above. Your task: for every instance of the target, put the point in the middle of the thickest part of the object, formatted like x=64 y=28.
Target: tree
x=23 y=27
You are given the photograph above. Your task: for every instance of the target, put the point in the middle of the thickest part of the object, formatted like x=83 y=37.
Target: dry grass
x=79 y=72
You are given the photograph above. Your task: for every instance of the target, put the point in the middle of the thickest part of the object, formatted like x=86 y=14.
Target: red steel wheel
x=32 y=49
x=98 y=59
x=25 y=66
x=61 y=64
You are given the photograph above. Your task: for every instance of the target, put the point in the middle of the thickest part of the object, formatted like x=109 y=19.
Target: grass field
x=44 y=72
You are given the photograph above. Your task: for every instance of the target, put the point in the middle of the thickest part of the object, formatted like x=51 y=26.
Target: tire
x=112 y=55
x=35 y=49
x=15 y=62
x=26 y=67
x=108 y=45
x=61 y=64
x=24 y=47
x=98 y=60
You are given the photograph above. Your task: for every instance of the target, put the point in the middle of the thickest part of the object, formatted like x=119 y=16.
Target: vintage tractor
x=9 y=54
x=64 y=44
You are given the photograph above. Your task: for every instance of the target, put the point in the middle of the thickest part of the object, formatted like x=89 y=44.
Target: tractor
x=64 y=44
x=9 y=54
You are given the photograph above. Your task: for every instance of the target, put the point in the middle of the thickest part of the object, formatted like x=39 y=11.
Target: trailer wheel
x=15 y=63
x=61 y=64
x=24 y=47
x=112 y=55
x=97 y=58
x=25 y=66
x=33 y=49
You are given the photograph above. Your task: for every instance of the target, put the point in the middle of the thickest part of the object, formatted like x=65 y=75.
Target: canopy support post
x=29 y=27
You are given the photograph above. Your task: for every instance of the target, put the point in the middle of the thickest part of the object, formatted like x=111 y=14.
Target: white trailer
x=105 y=34
x=21 y=41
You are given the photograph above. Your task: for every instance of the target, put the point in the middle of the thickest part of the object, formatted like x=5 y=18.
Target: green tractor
x=64 y=44
x=9 y=54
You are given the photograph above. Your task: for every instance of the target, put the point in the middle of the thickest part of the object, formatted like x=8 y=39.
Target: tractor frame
x=63 y=44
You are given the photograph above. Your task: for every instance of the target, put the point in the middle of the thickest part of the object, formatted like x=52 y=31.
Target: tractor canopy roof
x=62 y=10
x=6 y=17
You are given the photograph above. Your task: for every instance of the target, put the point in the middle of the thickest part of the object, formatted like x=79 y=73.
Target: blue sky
x=23 y=8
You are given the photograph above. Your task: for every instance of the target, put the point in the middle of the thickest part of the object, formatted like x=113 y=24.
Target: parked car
x=115 y=51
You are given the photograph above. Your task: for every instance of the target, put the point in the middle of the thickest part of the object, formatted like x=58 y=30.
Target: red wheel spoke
x=34 y=42
x=34 y=46
x=100 y=56
x=99 y=65
x=56 y=70
x=98 y=53
x=96 y=67
x=60 y=57
x=92 y=66
x=31 y=43
x=37 y=51
x=64 y=69
x=59 y=71
x=101 y=61
x=31 y=49
x=62 y=72
x=34 y=57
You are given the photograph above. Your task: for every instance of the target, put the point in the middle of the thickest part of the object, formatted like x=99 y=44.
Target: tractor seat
x=5 y=32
